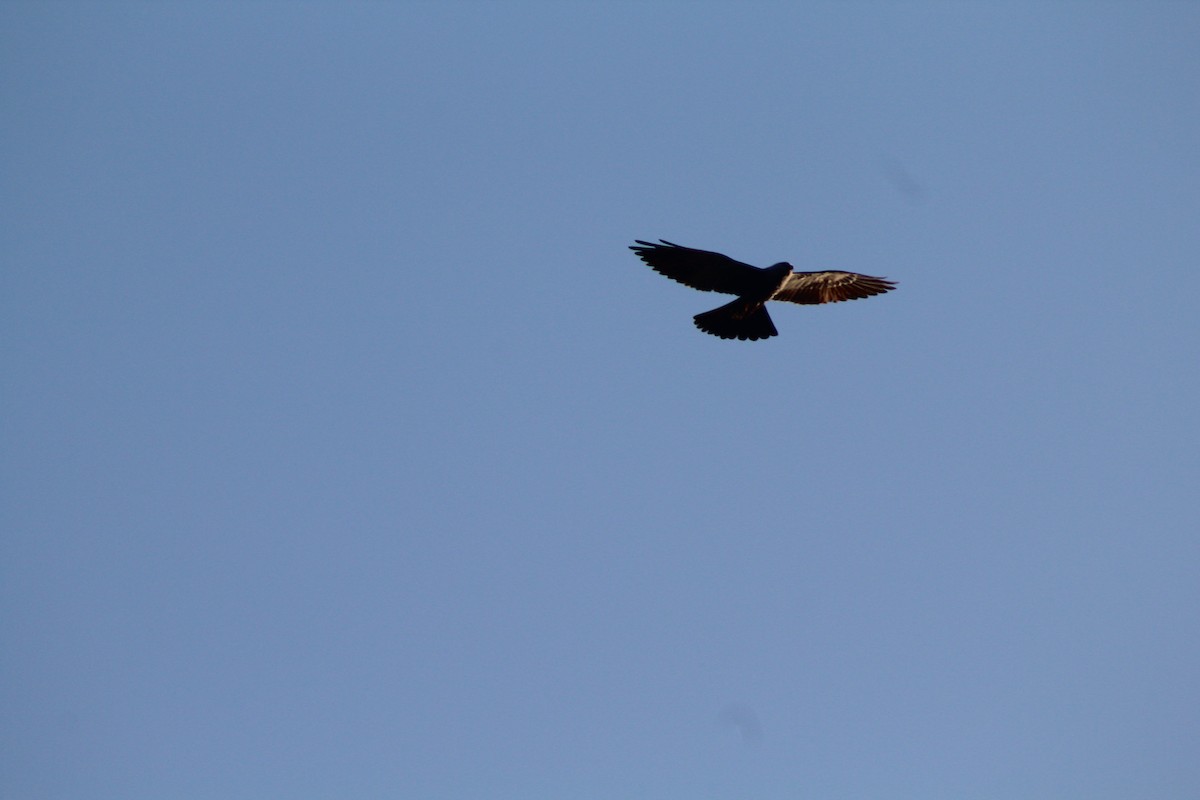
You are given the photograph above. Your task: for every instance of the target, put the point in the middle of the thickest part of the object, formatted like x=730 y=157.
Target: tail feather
x=741 y=319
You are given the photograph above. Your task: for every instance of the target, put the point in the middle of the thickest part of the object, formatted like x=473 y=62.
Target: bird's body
x=747 y=317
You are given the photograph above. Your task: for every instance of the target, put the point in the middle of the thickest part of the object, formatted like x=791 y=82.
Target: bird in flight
x=747 y=317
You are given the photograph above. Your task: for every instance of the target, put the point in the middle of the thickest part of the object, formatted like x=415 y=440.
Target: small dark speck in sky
x=743 y=720
x=901 y=179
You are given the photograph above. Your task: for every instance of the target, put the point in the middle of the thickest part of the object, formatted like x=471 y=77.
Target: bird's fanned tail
x=741 y=319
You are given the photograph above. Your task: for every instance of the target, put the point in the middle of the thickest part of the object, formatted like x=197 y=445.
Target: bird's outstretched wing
x=699 y=269
x=812 y=288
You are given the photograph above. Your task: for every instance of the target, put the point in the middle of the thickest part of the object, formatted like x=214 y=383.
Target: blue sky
x=348 y=452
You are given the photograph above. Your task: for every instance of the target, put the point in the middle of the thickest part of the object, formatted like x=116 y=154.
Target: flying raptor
x=747 y=317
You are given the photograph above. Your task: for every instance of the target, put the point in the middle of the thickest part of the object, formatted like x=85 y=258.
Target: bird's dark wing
x=812 y=288
x=699 y=269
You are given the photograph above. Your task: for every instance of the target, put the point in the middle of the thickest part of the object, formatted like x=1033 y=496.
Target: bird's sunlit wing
x=812 y=288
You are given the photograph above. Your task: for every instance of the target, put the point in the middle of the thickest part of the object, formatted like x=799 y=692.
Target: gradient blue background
x=348 y=452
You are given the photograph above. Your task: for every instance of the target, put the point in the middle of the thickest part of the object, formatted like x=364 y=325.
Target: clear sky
x=347 y=451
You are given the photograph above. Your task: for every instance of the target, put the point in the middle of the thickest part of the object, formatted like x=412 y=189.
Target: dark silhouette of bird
x=747 y=317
